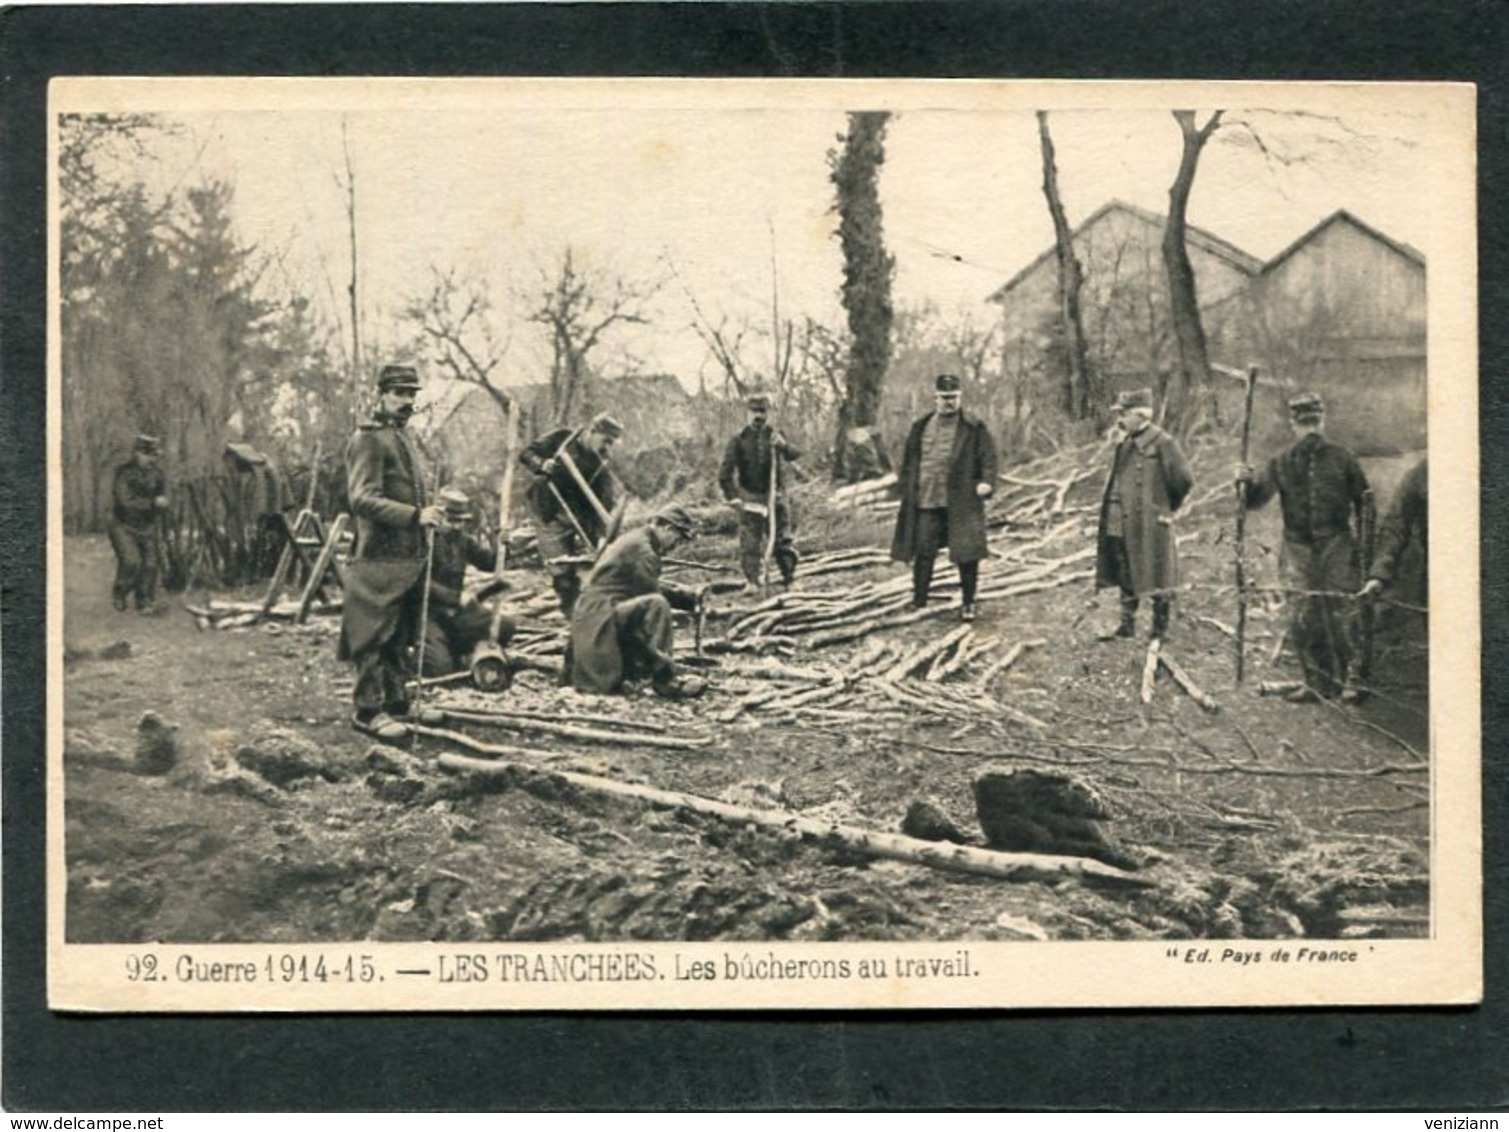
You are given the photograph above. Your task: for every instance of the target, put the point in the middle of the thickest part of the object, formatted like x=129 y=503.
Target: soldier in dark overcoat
x=1147 y=484
x=138 y=497
x=622 y=627
x=948 y=471
x=457 y=622
x=380 y=617
x=1406 y=523
x=744 y=479
x=1321 y=489
x=568 y=527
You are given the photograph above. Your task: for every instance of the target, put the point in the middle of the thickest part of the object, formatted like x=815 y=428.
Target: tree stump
x=1031 y=811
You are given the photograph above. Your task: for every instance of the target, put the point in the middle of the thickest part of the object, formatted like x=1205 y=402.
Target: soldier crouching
x=621 y=629
x=458 y=624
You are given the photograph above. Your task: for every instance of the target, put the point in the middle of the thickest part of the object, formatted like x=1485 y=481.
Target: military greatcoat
x=605 y=644
x=972 y=462
x=1150 y=478
x=385 y=486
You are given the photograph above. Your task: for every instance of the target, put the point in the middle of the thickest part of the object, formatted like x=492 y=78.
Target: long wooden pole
x=933 y=854
x=770 y=500
x=505 y=489
x=1241 y=539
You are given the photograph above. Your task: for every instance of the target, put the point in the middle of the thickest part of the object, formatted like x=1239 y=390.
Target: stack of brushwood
x=947 y=678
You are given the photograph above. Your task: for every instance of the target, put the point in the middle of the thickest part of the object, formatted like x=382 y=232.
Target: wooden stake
x=1182 y=678
x=1150 y=669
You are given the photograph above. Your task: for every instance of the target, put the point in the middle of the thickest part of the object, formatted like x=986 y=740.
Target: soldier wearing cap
x=1320 y=487
x=457 y=622
x=380 y=620
x=568 y=526
x=744 y=478
x=139 y=495
x=948 y=471
x=622 y=627
x=1148 y=482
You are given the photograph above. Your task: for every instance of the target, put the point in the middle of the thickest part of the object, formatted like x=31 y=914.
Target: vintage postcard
x=669 y=544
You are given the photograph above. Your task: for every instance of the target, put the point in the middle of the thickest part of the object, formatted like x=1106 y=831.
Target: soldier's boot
x=788 y=563
x=1162 y=607
x=669 y=686
x=567 y=590
x=1127 y=626
x=1352 y=691
x=922 y=579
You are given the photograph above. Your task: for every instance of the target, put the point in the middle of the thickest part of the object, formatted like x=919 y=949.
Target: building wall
x=1124 y=302
x=1344 y=316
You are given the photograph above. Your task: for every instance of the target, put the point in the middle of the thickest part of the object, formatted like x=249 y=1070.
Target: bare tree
x=454 y=318
x=868 y=269
x=1076 y=400
x=576 y=308
x=1192 y=372
x=349 y=187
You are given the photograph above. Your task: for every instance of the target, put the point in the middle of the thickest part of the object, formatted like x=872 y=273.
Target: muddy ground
x=279 y=823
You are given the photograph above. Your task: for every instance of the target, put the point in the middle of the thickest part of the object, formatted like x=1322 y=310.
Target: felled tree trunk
x=935 y=855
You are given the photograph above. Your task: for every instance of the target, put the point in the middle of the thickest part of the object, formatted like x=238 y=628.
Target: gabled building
x=1340 y=311
x=1124 y=302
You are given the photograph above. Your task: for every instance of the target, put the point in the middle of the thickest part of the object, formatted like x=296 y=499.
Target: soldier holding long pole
x=572 y=499
x=751 y=478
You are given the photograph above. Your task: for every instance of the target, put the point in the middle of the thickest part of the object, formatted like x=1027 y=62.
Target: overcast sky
x=722 y=192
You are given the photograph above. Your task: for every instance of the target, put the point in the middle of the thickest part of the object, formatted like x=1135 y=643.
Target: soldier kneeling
x=621 y=628
x=458 y=624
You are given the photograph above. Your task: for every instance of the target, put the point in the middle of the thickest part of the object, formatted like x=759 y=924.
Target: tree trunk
x=1192 y=375
x=1000 y=865
x=351 y=292
x=867 y=275
x=1077 y=399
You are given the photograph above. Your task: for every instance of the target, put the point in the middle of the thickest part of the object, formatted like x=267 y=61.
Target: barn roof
x=1199 y=237
x=1342 y=216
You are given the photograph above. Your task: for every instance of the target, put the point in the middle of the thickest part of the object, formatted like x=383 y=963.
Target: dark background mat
x=1456 y=1059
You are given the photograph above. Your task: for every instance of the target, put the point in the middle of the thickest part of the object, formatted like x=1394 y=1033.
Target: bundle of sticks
x=947 y=677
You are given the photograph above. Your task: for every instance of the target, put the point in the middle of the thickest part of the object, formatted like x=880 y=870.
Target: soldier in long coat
x=948 y=471
x=744 y=478
x=138 y=497
x=380 y=618
x=1321 y=487
x=622 y=627
x=567 y=525
x=1407 y=522
x=1148 y=482
x=458 y=623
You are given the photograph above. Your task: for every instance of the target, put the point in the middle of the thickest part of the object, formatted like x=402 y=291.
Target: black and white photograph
x=557 y=544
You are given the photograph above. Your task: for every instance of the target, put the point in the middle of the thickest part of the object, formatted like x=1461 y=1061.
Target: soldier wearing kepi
x=1135 y=548
x=569 y=524
x=948 y=471
x=457 y=623
x=1320 y=486
x=754 y=454
x=139 y=496
x=380 y=621
x=622 y=627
